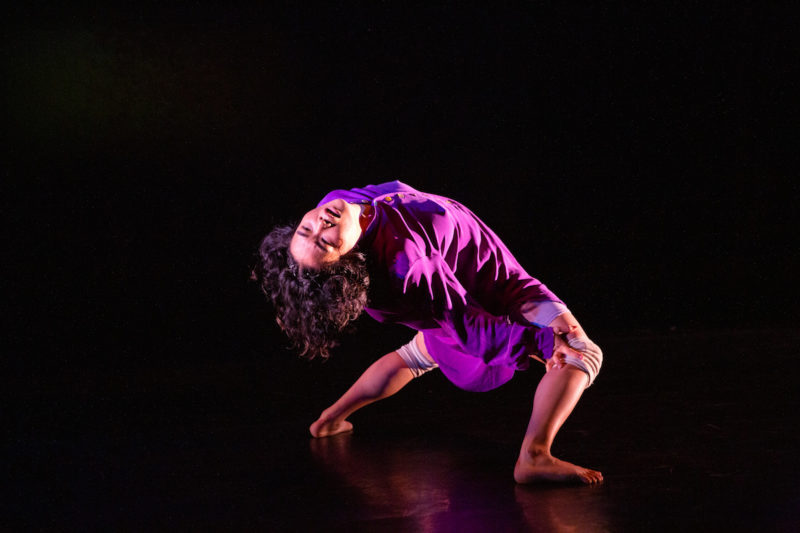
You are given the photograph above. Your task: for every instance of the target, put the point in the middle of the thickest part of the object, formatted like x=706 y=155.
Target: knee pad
x=592 y=357
x=416 y=361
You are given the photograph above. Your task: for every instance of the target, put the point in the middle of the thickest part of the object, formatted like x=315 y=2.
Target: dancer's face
x=325 y=234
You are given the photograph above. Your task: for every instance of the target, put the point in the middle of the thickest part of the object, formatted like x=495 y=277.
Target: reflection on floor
x=689 y=433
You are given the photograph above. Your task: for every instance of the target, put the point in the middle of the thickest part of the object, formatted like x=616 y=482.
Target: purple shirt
x=437 y=268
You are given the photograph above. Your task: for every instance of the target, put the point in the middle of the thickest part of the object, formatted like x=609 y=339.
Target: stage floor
x=693 y=431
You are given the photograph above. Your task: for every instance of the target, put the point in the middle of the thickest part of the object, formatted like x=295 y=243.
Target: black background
x=639 y=161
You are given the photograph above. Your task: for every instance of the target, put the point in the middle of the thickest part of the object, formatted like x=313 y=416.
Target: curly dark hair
x=313 y=307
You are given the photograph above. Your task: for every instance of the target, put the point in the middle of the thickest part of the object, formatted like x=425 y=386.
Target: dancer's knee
x=592 y=357
x=415 y=359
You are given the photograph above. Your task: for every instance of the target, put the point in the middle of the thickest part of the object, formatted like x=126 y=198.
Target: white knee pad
x=592 y=357
x=416 y=361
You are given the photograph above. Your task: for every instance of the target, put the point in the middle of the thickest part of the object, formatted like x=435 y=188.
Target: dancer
x=426 y=261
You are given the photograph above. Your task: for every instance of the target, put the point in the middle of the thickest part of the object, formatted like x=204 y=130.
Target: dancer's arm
x=383 y=378
x=568 y=324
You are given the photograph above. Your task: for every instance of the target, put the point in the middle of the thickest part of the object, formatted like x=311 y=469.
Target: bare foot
x=327 y=428
x=533 y=468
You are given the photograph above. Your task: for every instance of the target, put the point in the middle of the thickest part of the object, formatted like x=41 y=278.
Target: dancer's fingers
x=573 y=352
x=556 y=361
x=560 y=346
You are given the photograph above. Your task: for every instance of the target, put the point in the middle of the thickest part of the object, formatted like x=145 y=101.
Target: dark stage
x=641 y=162
x=704 y=444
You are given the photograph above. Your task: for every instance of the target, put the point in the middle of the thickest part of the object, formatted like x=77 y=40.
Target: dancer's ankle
x=537 y=450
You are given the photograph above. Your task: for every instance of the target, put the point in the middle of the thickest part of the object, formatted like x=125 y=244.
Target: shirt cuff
x=543 y=313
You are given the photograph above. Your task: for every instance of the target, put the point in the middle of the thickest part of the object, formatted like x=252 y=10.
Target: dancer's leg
x=556 y=396
x=383 y=378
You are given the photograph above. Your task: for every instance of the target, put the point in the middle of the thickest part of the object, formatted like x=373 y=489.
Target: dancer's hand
x=560 y=350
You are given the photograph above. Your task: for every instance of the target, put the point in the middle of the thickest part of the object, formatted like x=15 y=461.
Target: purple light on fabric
x=442 y=271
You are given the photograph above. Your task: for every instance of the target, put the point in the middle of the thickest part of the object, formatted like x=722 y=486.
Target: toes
x=591 y=477
x=596 y=477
